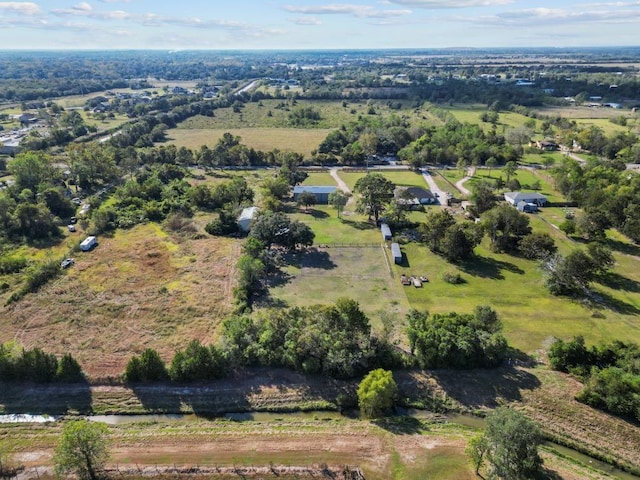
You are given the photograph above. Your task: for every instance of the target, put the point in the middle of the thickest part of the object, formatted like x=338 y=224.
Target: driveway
x=441 y=194
x=341 y=185
x=460 y=183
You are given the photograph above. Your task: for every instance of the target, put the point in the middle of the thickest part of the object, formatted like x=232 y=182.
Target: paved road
x=441 y=194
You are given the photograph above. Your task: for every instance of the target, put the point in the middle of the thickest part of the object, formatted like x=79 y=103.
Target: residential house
x=514 y=198
x=413 y=196
x=321 y=192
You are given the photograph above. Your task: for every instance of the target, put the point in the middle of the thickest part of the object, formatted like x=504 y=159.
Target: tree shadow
x=622 y=247
x=600 y=300
x=480 y=388
x=317 y=259
x=618 y=282
x=486 y=267
x=157 y=397
x=46 y=399
x=318 y=213
x=401 y=425
x=548 y=474
x=45 y=243
x=359 y=225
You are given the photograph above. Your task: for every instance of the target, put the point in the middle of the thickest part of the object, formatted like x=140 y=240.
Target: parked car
x=76 y=200
x=67 y=262
x=71 y=227
x=73 y=220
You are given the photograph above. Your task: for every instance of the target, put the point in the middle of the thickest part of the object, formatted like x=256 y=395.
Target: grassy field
x=297 y=140
x=139 y=288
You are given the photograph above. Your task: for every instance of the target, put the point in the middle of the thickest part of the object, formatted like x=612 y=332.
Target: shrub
x=377 y=393
x=454 y=278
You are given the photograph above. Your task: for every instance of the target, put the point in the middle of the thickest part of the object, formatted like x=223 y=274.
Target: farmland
x=149 y=285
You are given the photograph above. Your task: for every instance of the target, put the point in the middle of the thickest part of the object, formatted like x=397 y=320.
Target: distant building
x=246 y=218
x=9 y=145
x=320 y=192
x=547 y=145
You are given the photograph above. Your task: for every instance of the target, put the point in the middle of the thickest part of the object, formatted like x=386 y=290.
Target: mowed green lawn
x=515 y=288
x=512 y=285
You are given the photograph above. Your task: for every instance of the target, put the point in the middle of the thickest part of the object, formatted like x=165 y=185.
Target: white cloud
x=360 y=11
x=306 y=21
x=22 y=8
x=83 y=7
x=115 y=1
x=439 y=4
x=555 y=16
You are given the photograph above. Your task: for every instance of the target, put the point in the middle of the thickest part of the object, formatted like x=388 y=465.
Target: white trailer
x=88 y=243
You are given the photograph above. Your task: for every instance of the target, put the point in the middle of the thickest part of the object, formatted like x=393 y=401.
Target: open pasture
x=139 y=288
x=515 y=287
x=298 y=140
x=322 y=275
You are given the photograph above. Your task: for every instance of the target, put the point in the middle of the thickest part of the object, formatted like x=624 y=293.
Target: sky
x=316 y=24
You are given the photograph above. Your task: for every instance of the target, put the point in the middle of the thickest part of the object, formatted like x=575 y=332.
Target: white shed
x=246 y=218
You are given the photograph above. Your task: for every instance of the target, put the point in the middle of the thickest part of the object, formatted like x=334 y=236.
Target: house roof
x=315 y=189
x=516 y=197
x=248 y=213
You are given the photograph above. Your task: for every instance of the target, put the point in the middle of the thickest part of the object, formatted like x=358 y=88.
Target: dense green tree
x=82 y=449
x=460 y=240
x=537 y=245
x=148 y=367
x=34 y=171
x=338 y=200
x=570 y=274
x=483 y=196
x=613 y=389
x=375 y=191
x=455 y=340
x=510 y=168
x=566 y=356
x=92 y=164
x=434 y=228
x=197 y=363
x=509 y=445
x=277 y=228
x=306 y=200
x=69 y=370
x=376 y=393
x=506 y=227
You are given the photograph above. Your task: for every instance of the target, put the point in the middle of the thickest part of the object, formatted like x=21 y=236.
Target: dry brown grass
x=140 y=288
x=265 y=139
